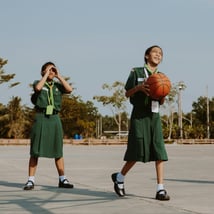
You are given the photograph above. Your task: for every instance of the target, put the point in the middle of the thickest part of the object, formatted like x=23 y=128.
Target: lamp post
x=208 y=117
x=181 y=87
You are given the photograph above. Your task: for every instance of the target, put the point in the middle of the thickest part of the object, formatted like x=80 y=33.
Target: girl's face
x=155 y=56
x=52 y=72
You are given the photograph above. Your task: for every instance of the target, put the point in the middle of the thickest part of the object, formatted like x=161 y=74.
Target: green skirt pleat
x=47 y=136
x=145 y=140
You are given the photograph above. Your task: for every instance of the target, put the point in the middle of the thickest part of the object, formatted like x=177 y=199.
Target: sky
x=99 y=41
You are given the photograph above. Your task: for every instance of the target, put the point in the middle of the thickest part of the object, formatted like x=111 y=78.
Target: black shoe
x=65 y=184
x=120 y=191
x=29 y=185
x=162 y=195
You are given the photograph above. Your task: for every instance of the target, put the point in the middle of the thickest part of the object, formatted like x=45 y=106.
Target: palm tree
x=15 y=118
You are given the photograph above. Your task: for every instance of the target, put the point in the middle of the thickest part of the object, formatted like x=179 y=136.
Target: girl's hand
x=161 y=101
x=46 y=72
x=51 y=71
x=144 y=88
x=55 y=70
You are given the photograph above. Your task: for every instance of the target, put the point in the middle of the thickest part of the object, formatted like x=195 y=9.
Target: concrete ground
x=189 y=180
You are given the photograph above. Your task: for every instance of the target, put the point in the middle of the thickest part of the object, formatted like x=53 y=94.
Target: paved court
x=189 y=179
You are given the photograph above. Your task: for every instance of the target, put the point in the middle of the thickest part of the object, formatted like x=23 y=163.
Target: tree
x=3 y=120
x=78 y=117
x=169 y=117
x=15 y=119
x=170 y=127
x=6 y=77
x=117 y=101
x=109 y=125
x=200 y=117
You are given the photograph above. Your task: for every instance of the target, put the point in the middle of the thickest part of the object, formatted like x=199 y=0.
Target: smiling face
x=153 y=56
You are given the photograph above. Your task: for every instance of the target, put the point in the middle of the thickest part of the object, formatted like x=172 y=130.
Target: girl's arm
x=67 y=86
x=143 y=87
x=161 y=101
x=40 y=84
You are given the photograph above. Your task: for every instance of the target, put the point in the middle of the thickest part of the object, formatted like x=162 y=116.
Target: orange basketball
x=159 y=85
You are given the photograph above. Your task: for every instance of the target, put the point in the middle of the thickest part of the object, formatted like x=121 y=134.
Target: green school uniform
x=47 y=134
x=145 y=140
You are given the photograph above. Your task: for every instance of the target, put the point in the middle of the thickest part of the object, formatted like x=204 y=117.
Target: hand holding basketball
x=144 y=88
x=159 y=85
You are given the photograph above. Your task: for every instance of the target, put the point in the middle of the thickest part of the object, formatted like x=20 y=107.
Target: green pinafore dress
x=46 y=133
x=145 y=140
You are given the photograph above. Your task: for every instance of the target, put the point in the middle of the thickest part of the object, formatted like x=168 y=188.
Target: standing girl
x=145 y=140
x=47 y=133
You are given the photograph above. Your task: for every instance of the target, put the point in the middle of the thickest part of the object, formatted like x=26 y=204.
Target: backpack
x=34 y=97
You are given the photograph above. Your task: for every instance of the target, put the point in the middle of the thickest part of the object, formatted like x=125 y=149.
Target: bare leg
x=59 y=162
x=127 y=166
x=159 y=171
x=64 y=183
x=161 y=193
x=119 y=180
x=33 y=162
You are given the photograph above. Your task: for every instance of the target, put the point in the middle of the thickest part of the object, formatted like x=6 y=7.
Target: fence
x=104 y=141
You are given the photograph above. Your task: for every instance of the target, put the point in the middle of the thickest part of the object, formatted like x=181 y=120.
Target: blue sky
x=98 y=41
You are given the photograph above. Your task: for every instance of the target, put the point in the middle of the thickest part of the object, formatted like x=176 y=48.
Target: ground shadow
x=190 y=181
x=76 y=190
x=34 y=200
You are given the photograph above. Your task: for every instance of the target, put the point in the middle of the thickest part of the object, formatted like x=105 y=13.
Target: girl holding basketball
x=145 y=140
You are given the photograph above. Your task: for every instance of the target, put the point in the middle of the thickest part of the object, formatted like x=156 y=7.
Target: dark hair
x=148 y=50
x=46 y=65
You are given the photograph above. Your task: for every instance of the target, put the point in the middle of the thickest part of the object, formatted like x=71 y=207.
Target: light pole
x=99 y=127
x=208 y=117
x=181 y=87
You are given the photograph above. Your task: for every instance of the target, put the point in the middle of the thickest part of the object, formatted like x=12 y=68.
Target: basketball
x=159 y=85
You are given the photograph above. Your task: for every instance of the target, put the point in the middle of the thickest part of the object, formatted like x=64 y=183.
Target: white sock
x=160 y=187
x=31 y=178
x=62 y=177
x=120 y=177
